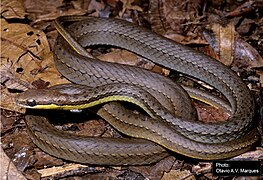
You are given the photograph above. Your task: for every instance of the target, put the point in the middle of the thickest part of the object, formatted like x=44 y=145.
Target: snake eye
x=31 y=102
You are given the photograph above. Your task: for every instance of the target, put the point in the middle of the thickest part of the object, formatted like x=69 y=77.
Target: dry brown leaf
x=37 y=7
x=92 y=128
x=180 y=13
x=202 y=168
x=245 y=8
x=127 y=5
x=97 y=5
x=226 y=41
x=8 y=101
x=207 y=113
x=255 y=155
x=155 y=171
x=12 y=9
x=246 y=55
x=169 y=18
x=128 y=58
x=6 y=123
x=120 y=56
x=8 y=169
x=28 y=51
x=10 y=80
x=177 y=174
x=185 y=39
x=54 y=15
x=157 y=18
x=41 y=11
x=45 y=160
x=232 y=50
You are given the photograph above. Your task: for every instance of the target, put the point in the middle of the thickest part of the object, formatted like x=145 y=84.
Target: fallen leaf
x=92 y=128
x=246 y=26
x=157 y=18
x=8 y=101
x=21 y=150
x=40 y=11
x=6 y=122
x=10 y=80
x=202 y=168
x=246 y=55
x=245 y=8
x=226 y=40
x=13 y=9
x=45 y=160
x=128 y=5
x=25 y=47
x=207 y=113
x=178 y=174
x=180 y=14
x=8 y=169
x=53 y=15
x=231 y=49
x=255 y=155
x=39 y=7
x=25 y=57
x=155 y=171
x=120 y=56
x=128 y=58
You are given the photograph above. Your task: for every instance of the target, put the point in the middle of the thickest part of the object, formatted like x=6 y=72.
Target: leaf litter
x=26 y=60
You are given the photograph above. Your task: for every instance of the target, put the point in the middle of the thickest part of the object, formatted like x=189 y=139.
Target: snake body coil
x=176 y=128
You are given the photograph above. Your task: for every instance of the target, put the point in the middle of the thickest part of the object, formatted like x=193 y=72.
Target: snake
x=170 y=123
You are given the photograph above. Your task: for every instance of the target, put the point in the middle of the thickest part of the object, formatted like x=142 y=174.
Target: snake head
x=37 y=98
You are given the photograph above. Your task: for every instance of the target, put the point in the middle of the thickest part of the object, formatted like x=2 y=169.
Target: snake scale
x=172 y=123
